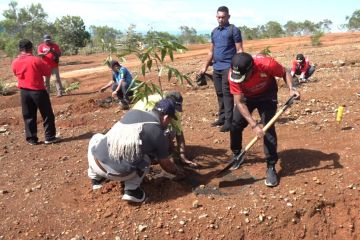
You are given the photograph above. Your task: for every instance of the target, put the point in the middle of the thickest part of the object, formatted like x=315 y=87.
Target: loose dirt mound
x=45 y=192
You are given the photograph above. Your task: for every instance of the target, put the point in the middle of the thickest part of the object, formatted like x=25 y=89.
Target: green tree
x=250 y=33
x=108 y=34
x=273 y=29
x=308 y=27
x=353 y=21
x=189 y=36
x=155 y=35
x=131 y=39
x=34 y=20
x=28 y=22
x=325 y=25
x=71 y=33
x=104 y=37
x=292 y=28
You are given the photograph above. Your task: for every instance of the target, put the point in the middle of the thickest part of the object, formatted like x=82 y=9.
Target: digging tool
x=254 y=140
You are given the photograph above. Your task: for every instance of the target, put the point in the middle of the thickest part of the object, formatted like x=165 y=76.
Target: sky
x=169 y=15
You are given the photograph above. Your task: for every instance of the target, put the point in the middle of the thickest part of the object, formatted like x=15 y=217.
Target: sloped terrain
x=45 y=192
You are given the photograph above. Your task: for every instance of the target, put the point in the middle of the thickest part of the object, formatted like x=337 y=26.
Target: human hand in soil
x=186 y=161
x=114 y=93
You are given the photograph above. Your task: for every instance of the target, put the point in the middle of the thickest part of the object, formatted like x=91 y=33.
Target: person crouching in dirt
x=121 y=81
x=126 y=151
x=175 y=127
x=301 y=66
x=253 y=84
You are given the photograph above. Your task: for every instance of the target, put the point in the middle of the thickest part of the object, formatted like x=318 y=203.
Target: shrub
x=71 y=87
x=3 y=87
x=315 y=38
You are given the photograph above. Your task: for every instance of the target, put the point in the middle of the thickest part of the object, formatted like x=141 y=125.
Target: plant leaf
x=143 y=69
x=149 y=64
x=171 y=54
x=170 y=73
x=163 y=54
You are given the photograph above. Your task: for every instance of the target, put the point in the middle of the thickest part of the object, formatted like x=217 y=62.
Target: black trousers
x=224 y=97
x=31 y=101
x=267 y=109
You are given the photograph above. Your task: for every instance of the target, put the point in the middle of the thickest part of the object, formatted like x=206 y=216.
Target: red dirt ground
x=45 y=192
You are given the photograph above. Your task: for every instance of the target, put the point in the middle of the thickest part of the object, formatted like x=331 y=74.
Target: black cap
x=241 y=63
x=25 y=45
x=300 y=57
x=177 y=99
x=166 y=107
x=114 y=63
x=47 y=37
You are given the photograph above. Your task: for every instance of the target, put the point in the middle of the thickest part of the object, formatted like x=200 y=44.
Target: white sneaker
x=136 y=195
x=53 y=140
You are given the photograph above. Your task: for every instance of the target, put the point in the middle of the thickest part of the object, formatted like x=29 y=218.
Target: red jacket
x=298 y=67
x=49 y=58
x=262 y=80
x=29 y=71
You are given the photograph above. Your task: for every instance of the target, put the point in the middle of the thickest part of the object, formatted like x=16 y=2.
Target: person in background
x=253 y=85
x=226 y=40
x=127 y=150
x=121 y=80
x=301 y=66
x=30 y=71
x=175 y=127
x=50 y=53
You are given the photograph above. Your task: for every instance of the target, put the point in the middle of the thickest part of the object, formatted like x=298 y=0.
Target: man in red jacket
x=30 y=71
x=301 y=66
x=253 y=85
x=50 y=53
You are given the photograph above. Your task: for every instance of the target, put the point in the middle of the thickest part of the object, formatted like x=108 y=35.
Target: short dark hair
x=223 y=9
x=114 y=63
x=25 y=45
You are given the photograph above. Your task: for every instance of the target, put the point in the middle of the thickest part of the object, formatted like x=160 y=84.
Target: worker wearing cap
x=175 y=125
x=252 y=82
x=301 y=66
x=126 y=151
x=50 y=53
x=121 y=81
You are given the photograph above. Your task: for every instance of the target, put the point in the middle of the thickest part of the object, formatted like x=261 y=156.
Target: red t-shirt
x=29 y=71
x=49 y=58
x=262 y=80
x=300 y=67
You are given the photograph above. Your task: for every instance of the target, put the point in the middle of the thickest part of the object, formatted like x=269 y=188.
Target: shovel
x=254 y=140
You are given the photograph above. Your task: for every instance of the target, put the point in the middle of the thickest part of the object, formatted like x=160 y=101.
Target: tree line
x=71 y=34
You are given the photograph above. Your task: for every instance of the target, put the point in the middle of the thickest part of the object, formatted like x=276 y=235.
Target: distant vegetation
x=71 y=34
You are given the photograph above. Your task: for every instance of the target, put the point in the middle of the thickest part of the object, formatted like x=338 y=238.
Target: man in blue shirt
x=120 y=83
x=225 y=42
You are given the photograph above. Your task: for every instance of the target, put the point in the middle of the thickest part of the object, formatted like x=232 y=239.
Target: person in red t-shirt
x=50 y=53
x=30 y=71
x=301 y=66
x=253 y=85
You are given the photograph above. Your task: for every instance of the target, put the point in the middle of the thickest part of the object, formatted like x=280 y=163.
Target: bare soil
x=45 y=192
